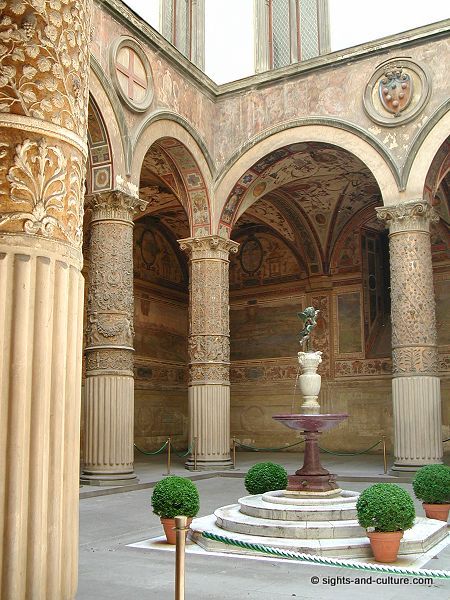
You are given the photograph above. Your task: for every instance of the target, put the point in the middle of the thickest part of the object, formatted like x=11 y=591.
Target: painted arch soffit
x=172 y=163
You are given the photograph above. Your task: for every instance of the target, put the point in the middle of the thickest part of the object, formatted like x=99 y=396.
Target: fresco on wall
x=442 y=293
x=261 y=331
x=348 y=320
x=263 y=259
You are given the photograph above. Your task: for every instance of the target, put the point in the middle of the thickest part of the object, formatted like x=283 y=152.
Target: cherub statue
x=309 y=318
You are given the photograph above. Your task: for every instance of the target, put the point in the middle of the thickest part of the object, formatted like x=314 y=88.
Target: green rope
x=350 y=453
x=181 y=454
x=255 y=449
x=152 y=453
x=322 y=560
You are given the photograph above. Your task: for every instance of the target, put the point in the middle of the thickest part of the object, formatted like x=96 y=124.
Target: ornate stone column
x=209 y=350
x=109 y=393
x=415 y=384
x=44 y=72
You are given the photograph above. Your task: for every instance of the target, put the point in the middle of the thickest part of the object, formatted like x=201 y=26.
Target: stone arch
x=182 y=150
x=105 y=97
x=355 y=142
x=424 y=150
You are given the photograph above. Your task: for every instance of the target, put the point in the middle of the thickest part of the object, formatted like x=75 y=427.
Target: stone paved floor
x=109 y=570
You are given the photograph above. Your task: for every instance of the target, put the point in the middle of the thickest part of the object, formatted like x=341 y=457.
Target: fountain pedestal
x=312 y=478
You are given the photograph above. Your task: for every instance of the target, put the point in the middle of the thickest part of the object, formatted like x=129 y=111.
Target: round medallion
x=251 y=256
x=149 y=248
x=131 y=74
x=397 y=91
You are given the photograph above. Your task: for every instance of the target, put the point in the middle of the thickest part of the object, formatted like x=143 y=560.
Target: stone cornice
x=411 y=216
x=115 y=205
x=209 y=247
x=143 y=31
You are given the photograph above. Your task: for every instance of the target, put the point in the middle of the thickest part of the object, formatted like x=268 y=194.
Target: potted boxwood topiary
x=385 y=510
x=265 y=477
x=174 y=496
x=431 y=484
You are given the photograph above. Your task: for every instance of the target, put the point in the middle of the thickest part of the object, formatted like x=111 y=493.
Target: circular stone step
x=231 y=519
x=256 y=506
x=278 y=497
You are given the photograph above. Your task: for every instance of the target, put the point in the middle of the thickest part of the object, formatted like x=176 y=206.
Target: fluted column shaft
x=44 y=68
x=109 y=392
x=209 y=350
x=415 y=384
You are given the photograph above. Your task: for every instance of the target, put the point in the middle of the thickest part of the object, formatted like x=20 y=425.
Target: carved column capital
x=115 y=205
x=411 y=216
x=209 y=247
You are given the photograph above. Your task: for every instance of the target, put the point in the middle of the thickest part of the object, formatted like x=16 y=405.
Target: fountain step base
x=425 y=534
x=230 y=518
x=263 y=508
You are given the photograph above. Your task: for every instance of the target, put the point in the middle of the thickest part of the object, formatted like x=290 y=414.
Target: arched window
x=289 y=31
x=183 y=24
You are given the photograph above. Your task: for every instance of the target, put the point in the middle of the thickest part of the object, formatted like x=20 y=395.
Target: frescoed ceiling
x=307 y=192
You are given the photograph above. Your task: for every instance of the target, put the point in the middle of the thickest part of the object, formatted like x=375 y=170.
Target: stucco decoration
x=396 y=93
x=413 y=305
x=131 y=74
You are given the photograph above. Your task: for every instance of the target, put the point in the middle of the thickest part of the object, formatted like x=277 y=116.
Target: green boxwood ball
x=174 y=496
x=386 y=507
x=431 y=484
x=265 y=477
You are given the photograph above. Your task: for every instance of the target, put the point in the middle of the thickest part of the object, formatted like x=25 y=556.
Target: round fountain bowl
x=311 y=422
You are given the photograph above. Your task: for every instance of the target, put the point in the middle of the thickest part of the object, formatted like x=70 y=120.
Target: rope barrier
x=152 y=453
x=181 y=454
x=447 y=440
x=255 y=449
x=350 y=453
x=329 y=562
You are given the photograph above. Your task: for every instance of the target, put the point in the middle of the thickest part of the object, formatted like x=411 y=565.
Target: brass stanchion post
x=195 y=453
x=384 y=454
x=168 y=455
x=181 y=528
x=234 y=452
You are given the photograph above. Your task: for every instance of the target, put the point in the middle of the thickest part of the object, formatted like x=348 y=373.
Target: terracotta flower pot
x=385 y=545
x=436 y=511
x=169 y=529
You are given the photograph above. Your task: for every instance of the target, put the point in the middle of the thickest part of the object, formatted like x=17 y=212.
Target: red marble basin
x=310 y=422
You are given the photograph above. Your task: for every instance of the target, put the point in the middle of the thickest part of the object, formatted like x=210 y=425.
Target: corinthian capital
x=411 y=216
x=212 y=246
x=115 y=205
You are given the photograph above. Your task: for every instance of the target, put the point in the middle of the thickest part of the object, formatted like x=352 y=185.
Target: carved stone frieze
x=411 y=216
x=209 y=326
x=44 y=48
x=413 y=311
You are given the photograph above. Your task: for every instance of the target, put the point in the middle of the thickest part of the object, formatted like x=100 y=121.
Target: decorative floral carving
x=209 y=307
x=109 y=360
x=413 y=310
x=207 y=348
x=38 y=185
x=44 y=49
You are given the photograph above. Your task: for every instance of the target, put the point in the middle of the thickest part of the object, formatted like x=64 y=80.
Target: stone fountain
x=313 y=514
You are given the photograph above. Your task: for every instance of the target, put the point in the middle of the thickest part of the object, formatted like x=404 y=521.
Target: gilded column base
x=417 y=422
x=209 y=416
x=41 y=316
x=109 y=430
